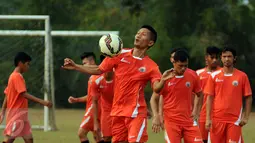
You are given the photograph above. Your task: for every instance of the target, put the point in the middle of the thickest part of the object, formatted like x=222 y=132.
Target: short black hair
x=102 y=57
x=229 y=49
x=21 y=57
x=212 y=50
x=181 y=56
x=87 y=54
x=154 y=34
x=177 y=49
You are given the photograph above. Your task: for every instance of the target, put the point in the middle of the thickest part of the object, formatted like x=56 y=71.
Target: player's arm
x=247 y=111
x=154 y=106
x=35 y=99
x=107 y=65
x=90 y=69
x=209 y=102
x=198 y=101
x=82 y=99
x=161 y=103
x=159 y=85
x=3 y=110
x=95 y=112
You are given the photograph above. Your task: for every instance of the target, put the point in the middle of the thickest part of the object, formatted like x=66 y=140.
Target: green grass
x=68 y=122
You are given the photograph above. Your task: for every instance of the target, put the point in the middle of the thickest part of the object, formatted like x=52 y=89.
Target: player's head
x=88 y=58
x=22 y=61
x=181 y=59
x=211 y=56
x=228 y=57
x=173 y=52
x=146 y=37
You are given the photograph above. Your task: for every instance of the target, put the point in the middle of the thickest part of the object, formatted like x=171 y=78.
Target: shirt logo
x=198 y=140
x=219 y=80
x=202 y=77
x=142 y=69
x=101 y=86
x=235 y=83
x=171 y=83
x=187 y=84
x=124 y=61
x=231 y=141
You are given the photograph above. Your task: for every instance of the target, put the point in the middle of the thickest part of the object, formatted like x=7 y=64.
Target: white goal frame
x=49 y=88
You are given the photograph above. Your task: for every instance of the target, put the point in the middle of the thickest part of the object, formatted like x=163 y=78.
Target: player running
x=16 y=102
x=133 y=69
x=177 y=85
x=212 y=64
x=87 y=125
x=225 y=89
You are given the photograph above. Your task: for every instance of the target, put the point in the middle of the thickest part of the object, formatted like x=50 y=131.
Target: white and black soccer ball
x=110 y=45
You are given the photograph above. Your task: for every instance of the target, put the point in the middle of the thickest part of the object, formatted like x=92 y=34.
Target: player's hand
x=208 y=124
x=48 y=104
x=72 y=100
x=97 y=131
x=168 y=74
x=243 y=122
x=194 y=115
x=157 y=123
x=69 y=64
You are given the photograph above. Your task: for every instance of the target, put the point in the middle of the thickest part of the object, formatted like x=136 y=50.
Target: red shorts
x=87 y=123
x=129 y=129
x=225 y=132
x=106 y=124
x=175 y=132
x=18 y=128
x=204 y=132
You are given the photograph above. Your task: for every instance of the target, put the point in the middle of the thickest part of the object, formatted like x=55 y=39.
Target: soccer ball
x=110 y=45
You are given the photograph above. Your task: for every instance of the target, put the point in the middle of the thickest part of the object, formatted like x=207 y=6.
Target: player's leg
x=173 y=132
x=192 y=134
x=119 y=130
x=137 y=129
x=27 y=133
x=106 y=126
x=217 y=133
x=85 y=127
x=28 y=138
x=234 y=133
x=203 y=131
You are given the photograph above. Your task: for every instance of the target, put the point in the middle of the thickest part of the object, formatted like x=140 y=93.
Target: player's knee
x=82 y=134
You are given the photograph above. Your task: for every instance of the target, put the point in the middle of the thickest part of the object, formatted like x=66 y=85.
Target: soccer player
x=225 y=89
x=16 y=102
x=133 y=69
x=211 y=59
x=177 y=85
x=103 y=88
x=88 y=58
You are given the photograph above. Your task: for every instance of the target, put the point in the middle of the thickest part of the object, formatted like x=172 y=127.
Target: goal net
x=35 y=40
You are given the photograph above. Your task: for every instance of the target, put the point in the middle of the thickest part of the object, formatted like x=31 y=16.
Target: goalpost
x=49 y=88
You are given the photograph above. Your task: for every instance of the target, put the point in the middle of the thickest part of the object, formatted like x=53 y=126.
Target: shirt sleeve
x=246 y=88
x=197 y=85
x=155 y=75
x=19 y=84
x=95 y=91
x=6 y=90
x=210 y=86
x=108 y=64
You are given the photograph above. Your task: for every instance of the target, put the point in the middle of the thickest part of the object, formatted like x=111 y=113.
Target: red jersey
x=228 y=90
x=131 y=76
x=178 y=97
x=203 y=76
x=103 y=89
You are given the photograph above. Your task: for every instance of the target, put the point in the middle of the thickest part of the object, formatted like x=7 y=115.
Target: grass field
x=68 y=122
